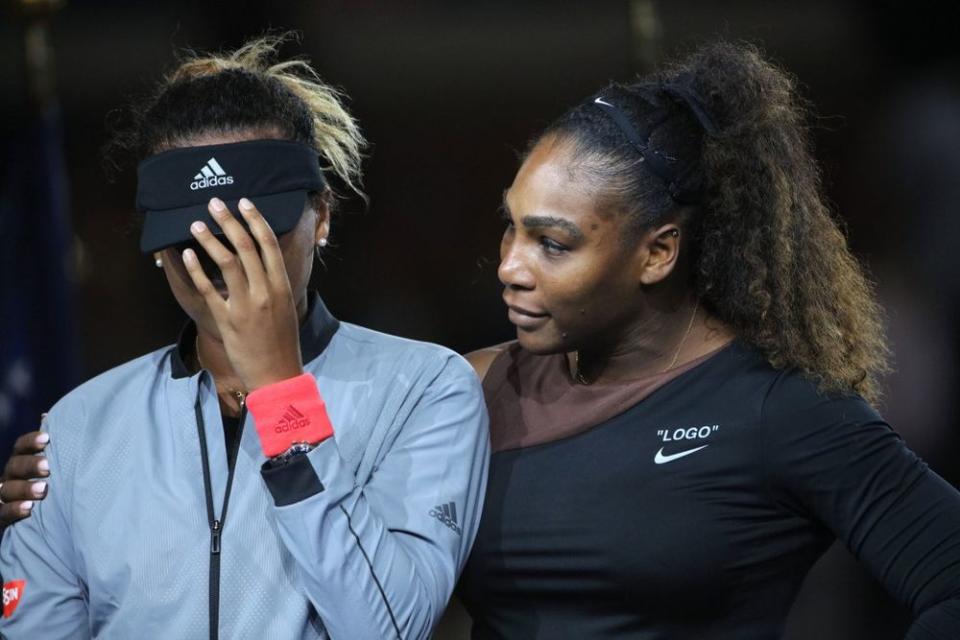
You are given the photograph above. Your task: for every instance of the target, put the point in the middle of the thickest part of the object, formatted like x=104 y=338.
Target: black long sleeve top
x=697 y=511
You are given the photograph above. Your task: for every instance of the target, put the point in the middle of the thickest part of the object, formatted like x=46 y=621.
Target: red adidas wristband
x=287 y=412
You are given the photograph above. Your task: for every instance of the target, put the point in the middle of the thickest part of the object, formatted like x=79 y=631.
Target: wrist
x=288 y=412
x=275 y=377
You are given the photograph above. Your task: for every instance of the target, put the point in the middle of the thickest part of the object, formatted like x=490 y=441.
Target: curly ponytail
x=773 y=262
x=770 y=260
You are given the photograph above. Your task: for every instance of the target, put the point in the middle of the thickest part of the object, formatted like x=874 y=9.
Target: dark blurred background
x=449 y=93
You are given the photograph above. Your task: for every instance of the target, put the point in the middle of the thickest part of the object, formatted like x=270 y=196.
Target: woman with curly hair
x=684 y=423
x=276 y=473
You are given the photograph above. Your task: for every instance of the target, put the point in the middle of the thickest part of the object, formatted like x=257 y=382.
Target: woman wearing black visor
x=276 y=473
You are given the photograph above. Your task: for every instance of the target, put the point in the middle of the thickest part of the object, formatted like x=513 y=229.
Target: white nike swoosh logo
x=662 y=459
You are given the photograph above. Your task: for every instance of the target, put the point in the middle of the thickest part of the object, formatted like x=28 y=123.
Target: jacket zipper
x=216 y=526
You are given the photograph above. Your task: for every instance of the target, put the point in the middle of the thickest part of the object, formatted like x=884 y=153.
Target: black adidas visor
x=174 y=187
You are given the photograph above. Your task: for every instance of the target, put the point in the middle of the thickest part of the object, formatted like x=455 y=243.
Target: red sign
x=12 y=592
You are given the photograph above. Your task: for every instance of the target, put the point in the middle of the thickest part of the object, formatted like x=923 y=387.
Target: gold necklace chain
x=577 y=375
x=241 y=396
x=696 y=307
x=579 y=378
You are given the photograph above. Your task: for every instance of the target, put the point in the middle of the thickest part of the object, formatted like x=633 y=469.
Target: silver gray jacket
x=362 y=537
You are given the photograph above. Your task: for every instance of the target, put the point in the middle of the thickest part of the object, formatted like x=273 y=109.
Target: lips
x=525 y=319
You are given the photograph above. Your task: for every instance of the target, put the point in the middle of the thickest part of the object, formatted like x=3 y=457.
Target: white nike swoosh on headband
x=662 y=459
x=601 y=101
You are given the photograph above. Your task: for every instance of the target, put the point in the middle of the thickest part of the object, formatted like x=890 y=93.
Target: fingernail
x=43 y=438
x=217 y=205
x=245 y=204
x=197 y=227
x=188 y=255
x=26 y=505
x=44 y=466
x=38 y=488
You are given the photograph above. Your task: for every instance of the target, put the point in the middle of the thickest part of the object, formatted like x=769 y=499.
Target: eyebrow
x=535 y=222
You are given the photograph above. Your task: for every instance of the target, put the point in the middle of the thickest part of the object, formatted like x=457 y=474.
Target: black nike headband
x=660 y=164
x=174 y=187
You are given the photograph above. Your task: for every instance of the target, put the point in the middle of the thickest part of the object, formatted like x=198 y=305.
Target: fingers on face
x=266 y=238
x=245 y=270
x=200 y=280
x=245 y=245
x=227 y=261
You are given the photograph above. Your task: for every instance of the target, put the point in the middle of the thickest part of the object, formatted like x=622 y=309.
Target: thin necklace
x=696 y=307
x=241 y=396
x=577 y=375
x=580 y=379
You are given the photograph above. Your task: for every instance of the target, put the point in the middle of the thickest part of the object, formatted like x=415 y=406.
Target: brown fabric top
x=533 y=399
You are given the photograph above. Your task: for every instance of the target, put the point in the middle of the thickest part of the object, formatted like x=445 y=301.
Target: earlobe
x=322 y=231
x=323 y=221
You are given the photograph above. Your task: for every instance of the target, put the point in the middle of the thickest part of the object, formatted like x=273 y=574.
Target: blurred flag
x=38 y=338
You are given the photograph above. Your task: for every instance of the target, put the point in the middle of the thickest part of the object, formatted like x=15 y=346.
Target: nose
x=513 y=271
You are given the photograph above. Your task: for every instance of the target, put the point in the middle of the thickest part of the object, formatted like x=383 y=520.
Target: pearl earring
x=159 y=263
x=322 y=242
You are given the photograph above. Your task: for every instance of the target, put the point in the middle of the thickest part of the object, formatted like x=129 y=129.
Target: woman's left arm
x=843 y=465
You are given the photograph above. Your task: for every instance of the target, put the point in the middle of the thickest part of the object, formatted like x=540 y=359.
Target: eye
x=551 y=247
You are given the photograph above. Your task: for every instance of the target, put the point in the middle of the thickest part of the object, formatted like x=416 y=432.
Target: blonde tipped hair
x=335 y=134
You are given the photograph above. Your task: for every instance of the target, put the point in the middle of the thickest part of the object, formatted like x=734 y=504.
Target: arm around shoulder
x=42 y=591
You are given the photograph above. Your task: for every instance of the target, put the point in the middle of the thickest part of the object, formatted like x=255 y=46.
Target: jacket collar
x=315 y=334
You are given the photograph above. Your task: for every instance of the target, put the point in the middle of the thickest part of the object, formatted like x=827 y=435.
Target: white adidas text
x=211 y=175
x=203 y=183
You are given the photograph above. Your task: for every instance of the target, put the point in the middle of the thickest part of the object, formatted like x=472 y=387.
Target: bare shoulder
x=481 y=359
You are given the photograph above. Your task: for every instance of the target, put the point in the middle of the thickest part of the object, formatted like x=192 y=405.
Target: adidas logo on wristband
x=291 y=420
x=288 y=412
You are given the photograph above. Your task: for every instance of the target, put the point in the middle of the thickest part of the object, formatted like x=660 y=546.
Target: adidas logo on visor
x=211 y=175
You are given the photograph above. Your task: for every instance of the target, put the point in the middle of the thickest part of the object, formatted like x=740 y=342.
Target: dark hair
x=770 y=261
x=246 y=92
